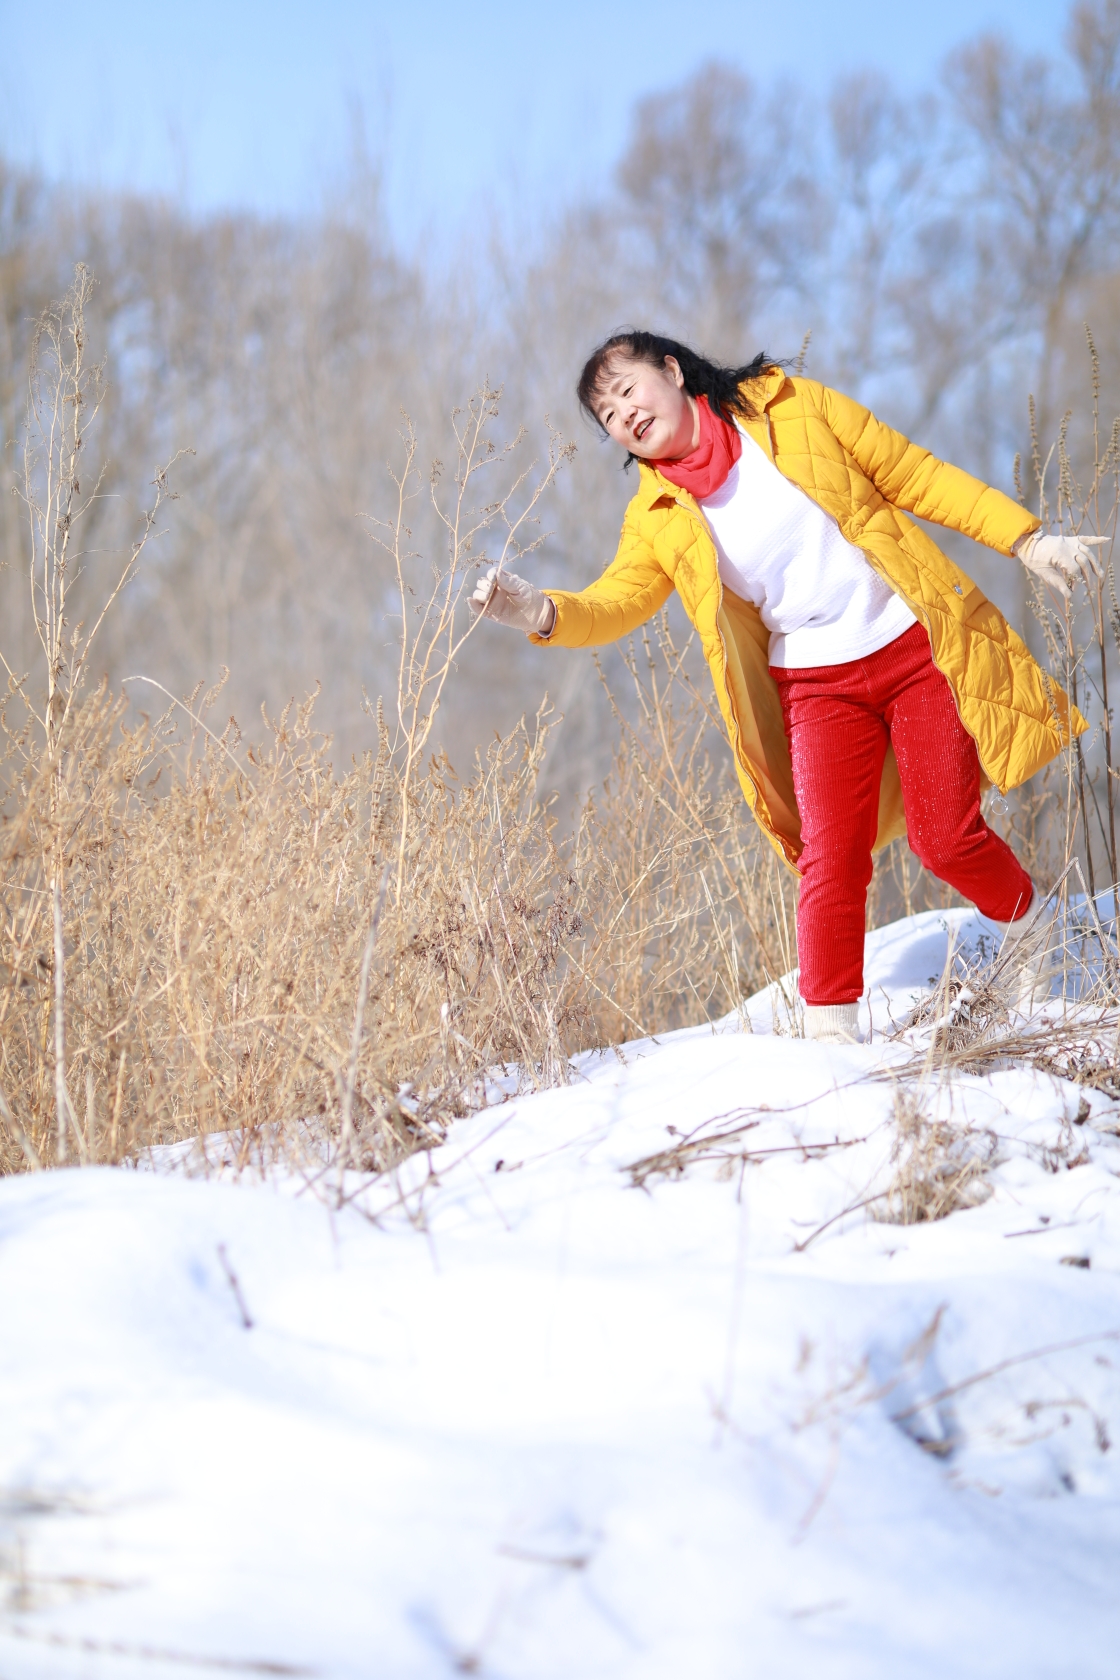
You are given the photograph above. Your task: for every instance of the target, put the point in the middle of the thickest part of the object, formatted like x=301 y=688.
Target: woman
x=869 y=689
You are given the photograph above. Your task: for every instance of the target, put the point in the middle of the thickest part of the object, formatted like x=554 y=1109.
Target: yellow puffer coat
x=864 y=475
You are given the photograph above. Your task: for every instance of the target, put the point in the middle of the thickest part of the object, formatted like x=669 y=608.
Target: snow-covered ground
x=537 y=1422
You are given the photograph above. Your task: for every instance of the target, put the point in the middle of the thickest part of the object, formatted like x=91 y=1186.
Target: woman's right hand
x=508 y=599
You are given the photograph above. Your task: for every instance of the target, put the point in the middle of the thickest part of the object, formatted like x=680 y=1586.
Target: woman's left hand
x=1060 y=561
x=509 y=599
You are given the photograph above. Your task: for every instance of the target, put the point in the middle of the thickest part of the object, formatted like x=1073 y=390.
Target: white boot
x=832 y=1023
x=1027 y=953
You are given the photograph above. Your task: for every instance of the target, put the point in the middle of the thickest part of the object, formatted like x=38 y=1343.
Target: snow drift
x=635 y=1378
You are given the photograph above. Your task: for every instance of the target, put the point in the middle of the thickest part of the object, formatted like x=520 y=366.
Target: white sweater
x=821 y=600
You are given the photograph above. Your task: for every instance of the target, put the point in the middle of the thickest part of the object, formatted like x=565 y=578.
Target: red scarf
x=706 y=467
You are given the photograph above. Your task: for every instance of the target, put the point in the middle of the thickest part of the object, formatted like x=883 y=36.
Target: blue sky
x=245 y=103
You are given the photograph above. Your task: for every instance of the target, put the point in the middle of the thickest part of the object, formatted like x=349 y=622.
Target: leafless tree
x=944 y=250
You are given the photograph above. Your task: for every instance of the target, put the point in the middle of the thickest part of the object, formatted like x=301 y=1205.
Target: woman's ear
x=673 y=369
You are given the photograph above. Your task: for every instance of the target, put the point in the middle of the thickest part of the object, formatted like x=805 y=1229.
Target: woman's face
x=647 y=409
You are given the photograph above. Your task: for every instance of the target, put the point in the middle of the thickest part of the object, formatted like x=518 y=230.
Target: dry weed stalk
x=938 y=1167
x=65 y=394
x=434 y=628
x=1081 y=637
x=725 y=1148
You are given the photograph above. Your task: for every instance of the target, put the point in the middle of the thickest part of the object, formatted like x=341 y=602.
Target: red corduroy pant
x=839 y=719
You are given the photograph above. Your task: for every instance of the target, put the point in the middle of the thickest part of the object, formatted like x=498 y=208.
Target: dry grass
x=936 y=1167
x=217 y=905
x=217 y=902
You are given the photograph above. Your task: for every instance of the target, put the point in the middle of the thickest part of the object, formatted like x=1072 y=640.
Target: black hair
x=702 y=377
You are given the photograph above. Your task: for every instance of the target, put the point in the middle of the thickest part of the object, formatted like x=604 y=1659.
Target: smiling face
x=647 y=409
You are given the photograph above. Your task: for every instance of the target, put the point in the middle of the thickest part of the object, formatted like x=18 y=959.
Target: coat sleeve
x=913 y=479
x=632 y=589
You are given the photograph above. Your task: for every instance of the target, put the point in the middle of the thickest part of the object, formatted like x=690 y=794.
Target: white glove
x=508 y=599
x=1060 y=561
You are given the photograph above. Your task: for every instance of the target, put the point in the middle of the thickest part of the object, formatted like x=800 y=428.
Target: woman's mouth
x=641 y=430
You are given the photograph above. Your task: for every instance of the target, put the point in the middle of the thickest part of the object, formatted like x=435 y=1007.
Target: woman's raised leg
x=940 y=774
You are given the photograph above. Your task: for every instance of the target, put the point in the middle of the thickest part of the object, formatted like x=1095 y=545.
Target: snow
x=509 y=1414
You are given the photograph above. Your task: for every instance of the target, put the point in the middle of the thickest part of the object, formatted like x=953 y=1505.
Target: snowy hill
x=612 y=1385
